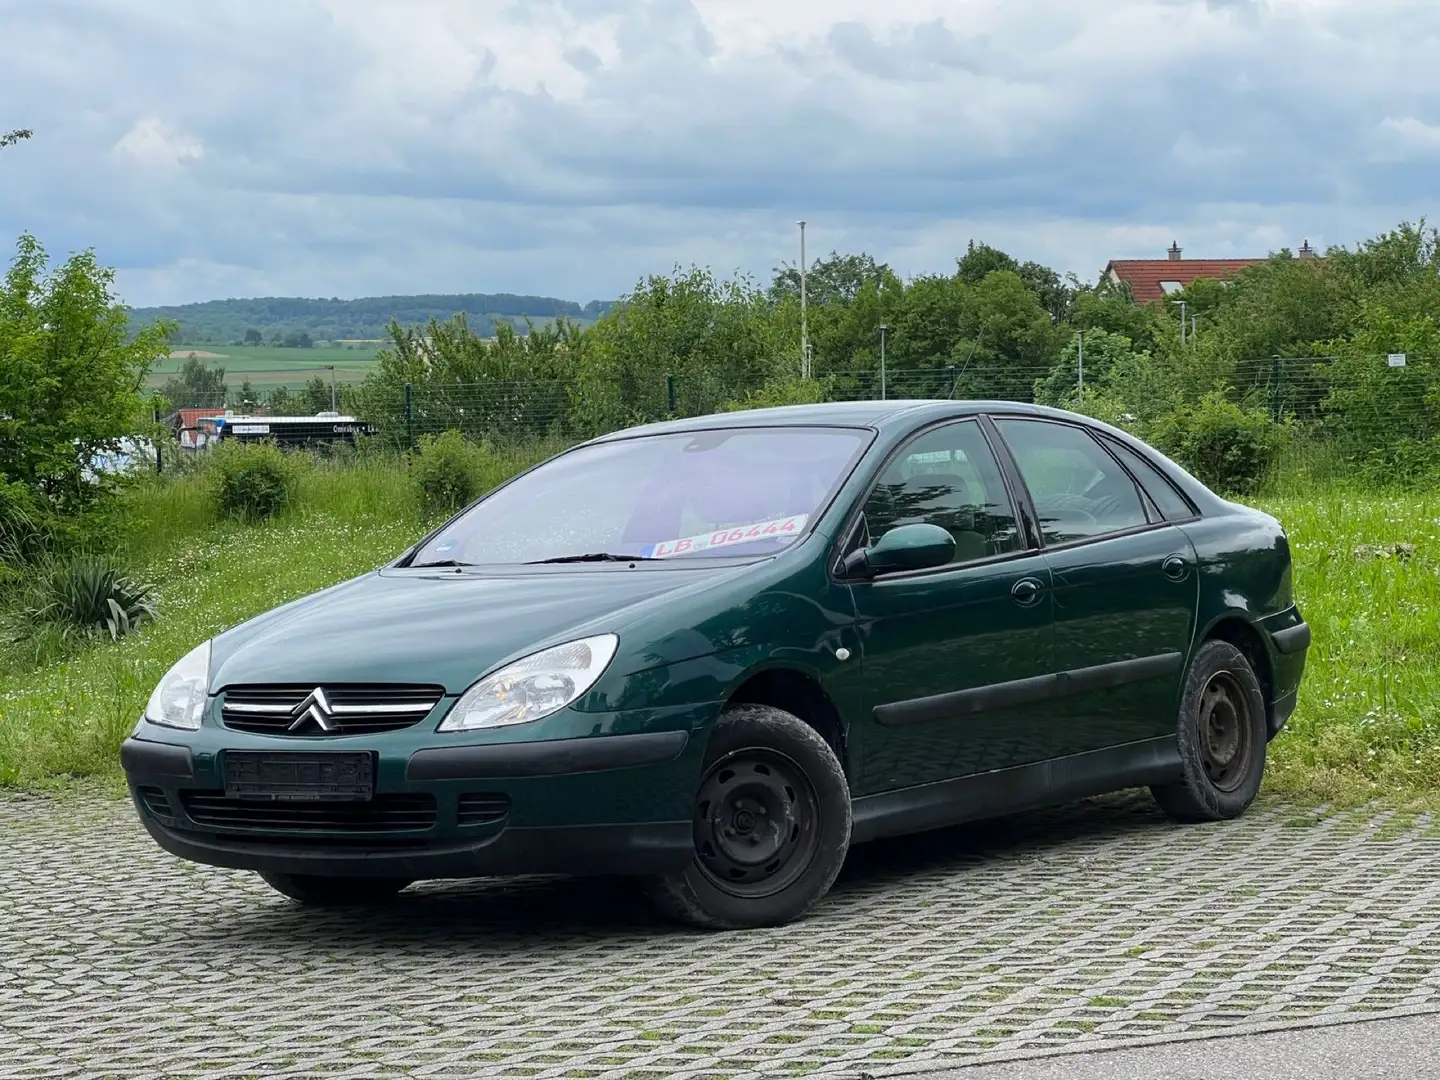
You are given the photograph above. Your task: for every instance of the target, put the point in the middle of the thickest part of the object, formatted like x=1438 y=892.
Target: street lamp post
x=804 y=325
x=332 y=386
x=883 y=328
x=1183 y=306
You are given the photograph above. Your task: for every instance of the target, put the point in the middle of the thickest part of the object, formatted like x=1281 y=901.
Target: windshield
x=707 y=494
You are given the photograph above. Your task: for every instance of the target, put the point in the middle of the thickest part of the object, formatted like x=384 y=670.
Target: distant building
x=1151 y=280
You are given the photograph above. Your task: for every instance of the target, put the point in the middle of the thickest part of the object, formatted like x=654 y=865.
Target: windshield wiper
x=596 y=556
x=439 y=565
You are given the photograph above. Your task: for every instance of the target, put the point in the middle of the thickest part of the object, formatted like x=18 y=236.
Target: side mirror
x=908 y=547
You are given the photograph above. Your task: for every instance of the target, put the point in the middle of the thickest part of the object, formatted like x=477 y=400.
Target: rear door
x=955 y=658
x=1124 y=580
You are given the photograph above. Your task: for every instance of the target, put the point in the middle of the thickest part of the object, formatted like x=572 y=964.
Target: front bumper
x=598 y=804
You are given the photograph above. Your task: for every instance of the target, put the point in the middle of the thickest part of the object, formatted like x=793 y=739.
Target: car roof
x=858 y=414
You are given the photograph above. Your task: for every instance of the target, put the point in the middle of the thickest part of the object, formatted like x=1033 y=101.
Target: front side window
x=947 y=477
x=1078 y=489
x=706 y=494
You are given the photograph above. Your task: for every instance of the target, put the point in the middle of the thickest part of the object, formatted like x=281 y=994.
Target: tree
x=254 y=337
x=196 y=386
x=297 y=339
x=316 y=396
x=71 y=374
x=10 y=138
x=834 y=279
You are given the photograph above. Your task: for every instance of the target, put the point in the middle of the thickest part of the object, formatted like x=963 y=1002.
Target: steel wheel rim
x=1225 y=732
x=757 y=819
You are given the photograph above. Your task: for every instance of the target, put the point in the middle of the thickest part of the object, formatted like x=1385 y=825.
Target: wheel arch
x=1238 y=630
x=797 y=692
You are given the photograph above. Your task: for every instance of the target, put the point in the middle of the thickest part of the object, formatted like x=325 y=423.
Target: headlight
x=533 y=687
x=179 y=699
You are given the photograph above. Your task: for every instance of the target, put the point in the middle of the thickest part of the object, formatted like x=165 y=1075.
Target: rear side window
x=1079 y=491
x=1172 y=504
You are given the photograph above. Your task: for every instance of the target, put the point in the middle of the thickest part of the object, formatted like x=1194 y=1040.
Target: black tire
x=1223 y=736
x=316 y=891
x=772 y=825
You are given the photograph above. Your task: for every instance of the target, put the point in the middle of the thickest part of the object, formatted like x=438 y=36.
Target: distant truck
x=325 y=427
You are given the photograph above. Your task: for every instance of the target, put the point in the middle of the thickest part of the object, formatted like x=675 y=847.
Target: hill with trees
x=297 y=321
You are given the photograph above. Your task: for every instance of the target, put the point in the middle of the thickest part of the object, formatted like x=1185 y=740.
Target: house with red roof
x=1151 y=280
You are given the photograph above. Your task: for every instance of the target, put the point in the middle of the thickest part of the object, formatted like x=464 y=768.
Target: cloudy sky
x=215 y=148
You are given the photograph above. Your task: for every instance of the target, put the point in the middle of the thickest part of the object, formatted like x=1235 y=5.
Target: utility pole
x=332 y=386
x=1080 y=354
x=804 y=325
x=883 y=328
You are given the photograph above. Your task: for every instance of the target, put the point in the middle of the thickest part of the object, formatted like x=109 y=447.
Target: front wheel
x=315 y=891
x=771 y=825
x=1222 y=738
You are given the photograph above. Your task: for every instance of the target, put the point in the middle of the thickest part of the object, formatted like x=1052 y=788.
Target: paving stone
x=1062 y=929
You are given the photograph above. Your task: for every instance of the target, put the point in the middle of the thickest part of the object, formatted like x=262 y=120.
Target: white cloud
x=153 y=143
x=1405 y=137
x=344 y=147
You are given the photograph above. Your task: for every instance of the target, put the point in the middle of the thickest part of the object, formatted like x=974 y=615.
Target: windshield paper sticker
x=745 y=534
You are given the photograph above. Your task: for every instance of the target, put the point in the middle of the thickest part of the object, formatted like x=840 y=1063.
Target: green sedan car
x=714 y=653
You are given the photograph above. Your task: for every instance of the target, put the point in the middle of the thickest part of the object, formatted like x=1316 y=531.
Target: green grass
x=270 y=365
x=1368 y=722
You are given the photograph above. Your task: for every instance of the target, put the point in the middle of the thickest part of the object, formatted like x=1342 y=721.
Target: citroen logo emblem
x=314 y=707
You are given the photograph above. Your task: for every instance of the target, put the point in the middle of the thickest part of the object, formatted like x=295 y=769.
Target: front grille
x=346 y=710
x=482 y=809
x=382 y=814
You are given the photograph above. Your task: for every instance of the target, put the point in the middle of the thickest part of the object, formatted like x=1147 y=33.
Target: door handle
x=1025 y=591
x=1175 y=568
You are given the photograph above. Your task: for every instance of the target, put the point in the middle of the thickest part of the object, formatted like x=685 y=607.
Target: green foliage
x=1386 y=421
x=251 y=481
x=196 y=386
x=444 y=469
x=1229 y=447
x=70 y=378
x=784 y=392
x=81 y=595
x=274 y=319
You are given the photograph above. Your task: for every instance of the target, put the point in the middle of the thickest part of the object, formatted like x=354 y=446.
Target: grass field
x=1368 y=722
x=269 y=365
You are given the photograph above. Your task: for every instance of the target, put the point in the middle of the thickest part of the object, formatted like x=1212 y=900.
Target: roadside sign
x=1397 y=359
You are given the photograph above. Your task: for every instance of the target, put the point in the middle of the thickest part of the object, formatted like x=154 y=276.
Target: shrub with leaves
x=251 y=481
x=84 y=595
x=445 y=473
x=1229 y=447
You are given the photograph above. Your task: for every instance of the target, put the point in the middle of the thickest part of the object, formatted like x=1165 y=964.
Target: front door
x=1125 y=586
x=956 y=659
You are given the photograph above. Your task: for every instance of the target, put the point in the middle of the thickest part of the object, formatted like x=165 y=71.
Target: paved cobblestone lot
x=1101 y=922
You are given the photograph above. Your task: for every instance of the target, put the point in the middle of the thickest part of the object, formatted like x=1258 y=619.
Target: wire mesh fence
x=1307 y=392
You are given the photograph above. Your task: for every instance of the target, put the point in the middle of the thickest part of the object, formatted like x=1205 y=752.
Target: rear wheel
x=315 y=891
x=771 y=825
x=1222 y=738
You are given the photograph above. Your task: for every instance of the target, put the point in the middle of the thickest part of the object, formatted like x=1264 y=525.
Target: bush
x=1229 y=447
x=786 y=392
x=251 y=481
x=83 y=595
x=444 y=470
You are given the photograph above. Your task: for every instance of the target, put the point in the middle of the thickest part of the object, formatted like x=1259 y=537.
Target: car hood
x=445 y=629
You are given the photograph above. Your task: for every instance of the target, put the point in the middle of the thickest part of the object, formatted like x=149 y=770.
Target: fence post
x=670 y=392
x=1275 y=389
x=409 y=421
x=155 y=419
x=954 y=380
